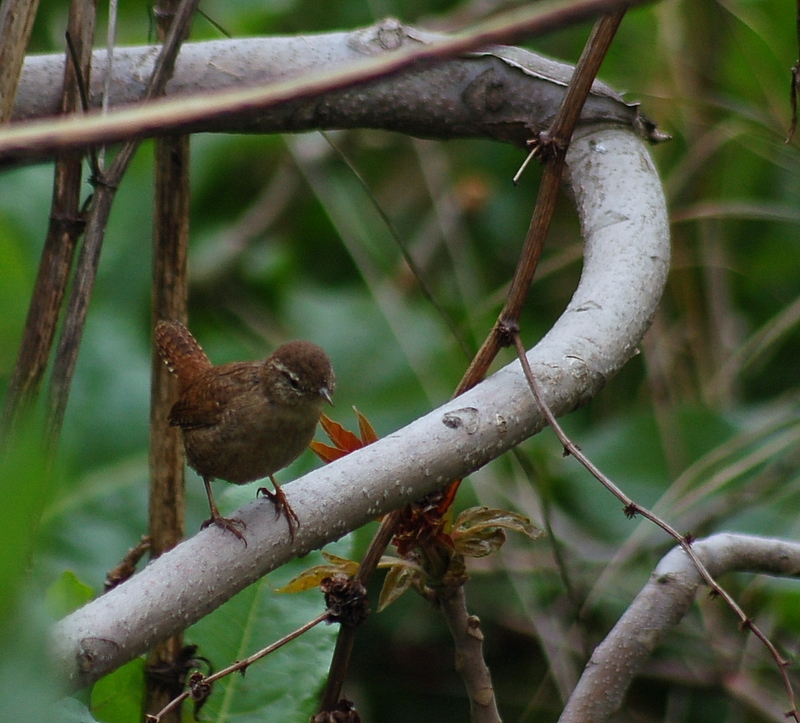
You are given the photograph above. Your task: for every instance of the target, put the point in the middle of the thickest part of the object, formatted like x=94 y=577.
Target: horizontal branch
x=383 y=76
x=622 y=212
x=661 y=604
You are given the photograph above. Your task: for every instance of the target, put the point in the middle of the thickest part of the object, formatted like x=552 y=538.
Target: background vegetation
x=285 y=244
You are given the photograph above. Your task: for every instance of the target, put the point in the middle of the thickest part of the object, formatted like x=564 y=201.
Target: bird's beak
x=326 y=395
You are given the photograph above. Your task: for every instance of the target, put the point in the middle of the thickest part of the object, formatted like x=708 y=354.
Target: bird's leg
x=282 y=505
x=232 y=524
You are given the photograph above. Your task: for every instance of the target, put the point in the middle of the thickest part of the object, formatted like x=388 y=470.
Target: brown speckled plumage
x=245 y=420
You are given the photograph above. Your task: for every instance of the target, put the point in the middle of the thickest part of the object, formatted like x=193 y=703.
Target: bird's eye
x=294 y=381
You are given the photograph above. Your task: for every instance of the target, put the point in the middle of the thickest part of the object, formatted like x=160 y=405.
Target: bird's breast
x=252 y=440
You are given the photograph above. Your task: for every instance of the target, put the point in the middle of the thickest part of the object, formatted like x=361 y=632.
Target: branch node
x=506 y=329
x=345 y=712
x=346 y=600
x=101 y=180
x=547 y=147
x=631 y=510
x=199 y=691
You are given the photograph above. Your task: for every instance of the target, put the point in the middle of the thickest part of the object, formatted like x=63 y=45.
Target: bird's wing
x=205 y=401
x=181 y=353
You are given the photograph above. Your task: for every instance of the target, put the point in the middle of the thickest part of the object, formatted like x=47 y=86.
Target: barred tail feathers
x=180 y=351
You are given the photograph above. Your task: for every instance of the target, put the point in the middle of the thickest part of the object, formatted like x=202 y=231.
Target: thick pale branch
x=623 y=215
x=377 y=77
x=660 y=605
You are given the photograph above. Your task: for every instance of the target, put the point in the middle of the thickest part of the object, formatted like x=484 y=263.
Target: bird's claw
x=282 y=506
x=232 y=524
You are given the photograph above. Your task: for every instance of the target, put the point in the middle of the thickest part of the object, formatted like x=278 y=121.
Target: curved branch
x=660 y=605
x=476 y=95
x=383 y=76
x=623 y=216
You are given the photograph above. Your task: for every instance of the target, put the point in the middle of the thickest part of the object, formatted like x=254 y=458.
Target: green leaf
x=23 y=490
x=479 y=531
x=313 y=576
x=67 y=594
x=285 y=685
x=401 y=577
x=480 y=542
x=118 y=697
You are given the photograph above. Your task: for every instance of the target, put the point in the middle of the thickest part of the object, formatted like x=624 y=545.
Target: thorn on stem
x=533 y=153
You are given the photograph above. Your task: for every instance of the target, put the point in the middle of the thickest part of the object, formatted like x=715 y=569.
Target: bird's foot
x=232 y=524
x=282 y=507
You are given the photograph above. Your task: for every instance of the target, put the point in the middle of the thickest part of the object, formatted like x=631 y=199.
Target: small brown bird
x=245 y=420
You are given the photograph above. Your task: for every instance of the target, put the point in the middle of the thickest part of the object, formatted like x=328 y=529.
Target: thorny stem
x=240 y=665
x=557 y=139
x=554 y=144
x=632 y=509
x=83 y=92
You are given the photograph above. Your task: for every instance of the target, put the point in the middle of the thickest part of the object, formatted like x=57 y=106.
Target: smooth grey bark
x=661 y=604
x=623 y=216
x=502 y=92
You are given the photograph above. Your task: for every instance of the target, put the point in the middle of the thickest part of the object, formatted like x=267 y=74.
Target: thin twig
x=111 y=43
x=239 y=665
x=126 y=567
x=16 y=26
x=83 y=92
x=633 y=509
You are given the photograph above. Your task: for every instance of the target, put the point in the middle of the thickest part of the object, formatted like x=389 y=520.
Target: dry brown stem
x=16 y=25
x=66 y=225
x=97 y=220
x=166 y=504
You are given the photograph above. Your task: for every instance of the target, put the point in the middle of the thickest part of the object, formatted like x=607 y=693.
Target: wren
x=243 y=421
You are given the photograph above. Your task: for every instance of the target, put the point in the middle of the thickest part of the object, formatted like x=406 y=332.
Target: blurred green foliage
x=703 y=424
